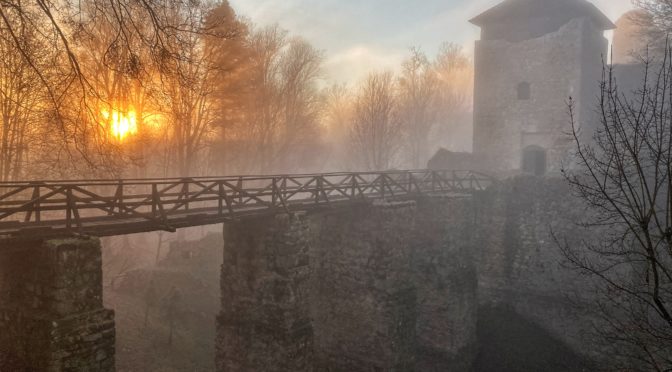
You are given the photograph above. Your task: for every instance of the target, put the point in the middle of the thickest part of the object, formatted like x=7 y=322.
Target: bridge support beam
x=51 y=307
x=264 y=324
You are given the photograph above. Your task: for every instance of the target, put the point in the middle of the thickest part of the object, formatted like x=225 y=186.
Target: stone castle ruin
x=533 y=56
x=394 y=285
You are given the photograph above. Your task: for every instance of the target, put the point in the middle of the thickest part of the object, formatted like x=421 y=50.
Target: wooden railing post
x=185 y=194
x=38 y=212
x=220 y=199
x=68 y=209
x=155 y=194
x=283 y=186
x=120 y=197
x=35 y=206
x=318 y=190
x=382 y=184
x=239 y=186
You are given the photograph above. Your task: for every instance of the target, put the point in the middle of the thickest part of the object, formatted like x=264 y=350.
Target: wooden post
x=221 y=196
x=68 y=210
x=154 y=199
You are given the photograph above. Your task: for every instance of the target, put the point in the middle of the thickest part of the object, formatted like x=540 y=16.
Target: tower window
x=524 y=91
x=534 y=160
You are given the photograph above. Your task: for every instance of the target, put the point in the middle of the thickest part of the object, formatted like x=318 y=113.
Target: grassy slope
x=141 y=349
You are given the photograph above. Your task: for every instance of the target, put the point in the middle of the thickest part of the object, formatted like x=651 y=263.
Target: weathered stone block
x=51 y=304
x=264 y=324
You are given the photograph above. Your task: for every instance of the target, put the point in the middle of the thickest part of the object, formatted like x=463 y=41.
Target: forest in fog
x=184 y=88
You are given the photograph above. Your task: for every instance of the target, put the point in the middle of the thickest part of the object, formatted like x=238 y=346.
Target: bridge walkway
x=52 y=209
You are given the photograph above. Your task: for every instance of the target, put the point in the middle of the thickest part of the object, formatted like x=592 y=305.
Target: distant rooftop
x=528 y=9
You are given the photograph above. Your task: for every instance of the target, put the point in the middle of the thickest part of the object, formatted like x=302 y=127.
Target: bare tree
x=455 y=78
x=376 y=131
x=173 y=304
x=188 y=94
x=259 y=119
x=655 y=22
x=150 y=300
x=300 y=133
x=279 y=119
x=140 y=37
x=174 y=103
x=625 y=176
x=20 y=102
x=419 y=94
x=336 y=119
x=123 y=92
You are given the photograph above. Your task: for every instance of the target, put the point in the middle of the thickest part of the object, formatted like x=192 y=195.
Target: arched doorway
x=524 y=91
x=534 y=160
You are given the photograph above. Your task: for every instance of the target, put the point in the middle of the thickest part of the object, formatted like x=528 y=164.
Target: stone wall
x=364 y=300
x=520 y=265
x=264 y=324
x=51 y=311
x=558 y=65
x=397 y=286
x=446 y=283
x=383 y=287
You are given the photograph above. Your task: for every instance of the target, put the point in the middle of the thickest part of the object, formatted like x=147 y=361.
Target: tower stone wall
x=523 y=87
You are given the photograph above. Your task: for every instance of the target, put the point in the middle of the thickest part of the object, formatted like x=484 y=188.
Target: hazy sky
x=358 y=36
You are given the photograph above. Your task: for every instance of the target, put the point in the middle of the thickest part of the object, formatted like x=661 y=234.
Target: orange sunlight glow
x=122 y=124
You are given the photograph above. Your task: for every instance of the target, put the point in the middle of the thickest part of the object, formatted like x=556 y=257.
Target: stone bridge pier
x=264 y=324
x=387 y=286
x=51 y=307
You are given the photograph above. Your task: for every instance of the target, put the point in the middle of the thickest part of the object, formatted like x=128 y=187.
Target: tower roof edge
x=512 y=9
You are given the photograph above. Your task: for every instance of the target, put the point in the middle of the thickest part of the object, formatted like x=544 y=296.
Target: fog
x=535 y=234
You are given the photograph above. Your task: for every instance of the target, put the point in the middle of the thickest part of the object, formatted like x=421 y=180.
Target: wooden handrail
x=47 y=209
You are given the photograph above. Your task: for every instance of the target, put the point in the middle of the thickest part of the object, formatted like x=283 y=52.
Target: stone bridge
x=390 y=280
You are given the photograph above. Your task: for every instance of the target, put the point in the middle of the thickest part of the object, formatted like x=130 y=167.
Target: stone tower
x=533 y=55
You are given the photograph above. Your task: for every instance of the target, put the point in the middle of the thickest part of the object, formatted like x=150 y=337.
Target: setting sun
x=122 y=124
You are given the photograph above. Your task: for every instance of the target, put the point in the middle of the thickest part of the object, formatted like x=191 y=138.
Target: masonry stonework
x=532 y=57
x=51 y=311
x=264 y=324
x=446 y=283
x=520 y=265
x=388 y=286
x=364 y=300
x=397 y=286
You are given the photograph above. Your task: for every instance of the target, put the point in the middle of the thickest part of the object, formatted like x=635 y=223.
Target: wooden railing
x=50 y=209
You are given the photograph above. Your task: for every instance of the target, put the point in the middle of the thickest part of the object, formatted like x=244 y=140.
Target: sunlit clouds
x=360 y=36
x=358 y=61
